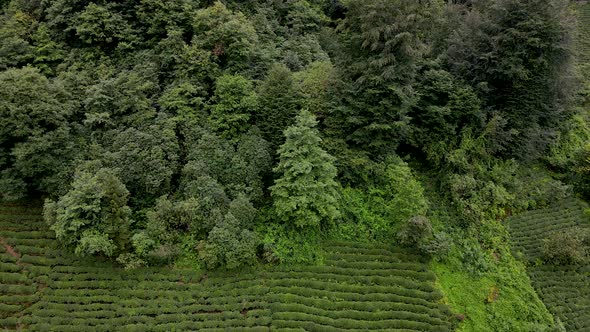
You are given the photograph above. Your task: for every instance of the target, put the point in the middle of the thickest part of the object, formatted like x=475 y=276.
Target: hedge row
x=417 y=275
x=354 y=279
x=14 y=278
x=358 y=315
x=421 y=291
x=433 y=310
x=344 y=296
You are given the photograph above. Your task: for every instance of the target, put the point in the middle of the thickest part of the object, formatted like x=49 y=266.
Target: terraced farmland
x=360 y=287
x=565 y=290
x=529 y=229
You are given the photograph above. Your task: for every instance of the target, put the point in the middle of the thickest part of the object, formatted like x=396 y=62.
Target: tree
x=93 y=217
x=157 y=16
x=102 y=26
x=34 y=113
x=518 y=55
x=229 y=37
x=145 y=160
x=445 y=107
x=416 y=232
x=15 y=27
x=235 y=103
x=279 y=102
x=305 y=194
x=232 y=243
x=382 y=47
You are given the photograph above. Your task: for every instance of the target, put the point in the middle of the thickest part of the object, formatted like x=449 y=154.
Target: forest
x=237 y=135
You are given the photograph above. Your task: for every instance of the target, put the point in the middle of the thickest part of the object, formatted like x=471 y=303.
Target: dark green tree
x=279 y=103
x=34 y=113
x=157 y=17
x=382 y=45
x=15 y=28
x=235 y=104
x=305 y=194
x=518 y=55
x=445 y=107
x=145 y=160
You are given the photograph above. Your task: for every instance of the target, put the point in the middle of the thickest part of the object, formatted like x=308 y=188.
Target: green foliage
x=229 y=246
x=239 y=168
x=571 y=246
x=415 y=232
x=279 y=104
x=150 y=159
x=167 y=218
x=582 y=172
x=231 y=243
x=15 y=48
x=484 y=187
x=378 y=211
x=282 y=244
x=228 y=36
x=571 y=142
x=157 y=17
x=314 y=86
x=93 y=217
x=517 y=307
x=529 y=88
x=445 y=107
x=99 y=26
x=305 y=195
x=235 y=103
x=34 y=112
x=384 y=39
x=48 y=53
x=93 y=242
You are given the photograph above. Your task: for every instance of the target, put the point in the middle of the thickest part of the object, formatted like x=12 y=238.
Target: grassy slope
x=564 y=289
x=360 y=287
x=499 y=299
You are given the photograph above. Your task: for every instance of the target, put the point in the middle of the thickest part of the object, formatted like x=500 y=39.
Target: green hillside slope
x=360 y=287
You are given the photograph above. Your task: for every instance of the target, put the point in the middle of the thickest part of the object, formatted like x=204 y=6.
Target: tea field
x=565 y=290
x=359 y=287
x=530 y=228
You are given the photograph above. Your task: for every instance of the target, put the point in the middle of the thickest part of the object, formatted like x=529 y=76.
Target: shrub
x=231 y=243
x=416 y=232
x=567 y=247
x=392 y=197
x=439 y=246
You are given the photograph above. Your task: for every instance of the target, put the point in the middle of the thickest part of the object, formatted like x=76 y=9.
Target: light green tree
x=93 y=217
x=306 y=192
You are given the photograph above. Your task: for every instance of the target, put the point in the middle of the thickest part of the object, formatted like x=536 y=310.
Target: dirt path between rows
x=9 y=249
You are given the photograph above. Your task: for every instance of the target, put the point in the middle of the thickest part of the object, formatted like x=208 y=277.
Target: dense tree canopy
x=153 y=127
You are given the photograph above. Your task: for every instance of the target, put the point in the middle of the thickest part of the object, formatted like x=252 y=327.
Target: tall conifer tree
x=306 y=192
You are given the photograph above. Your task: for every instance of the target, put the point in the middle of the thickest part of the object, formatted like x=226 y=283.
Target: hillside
x=300 y=165
x=358 y=288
